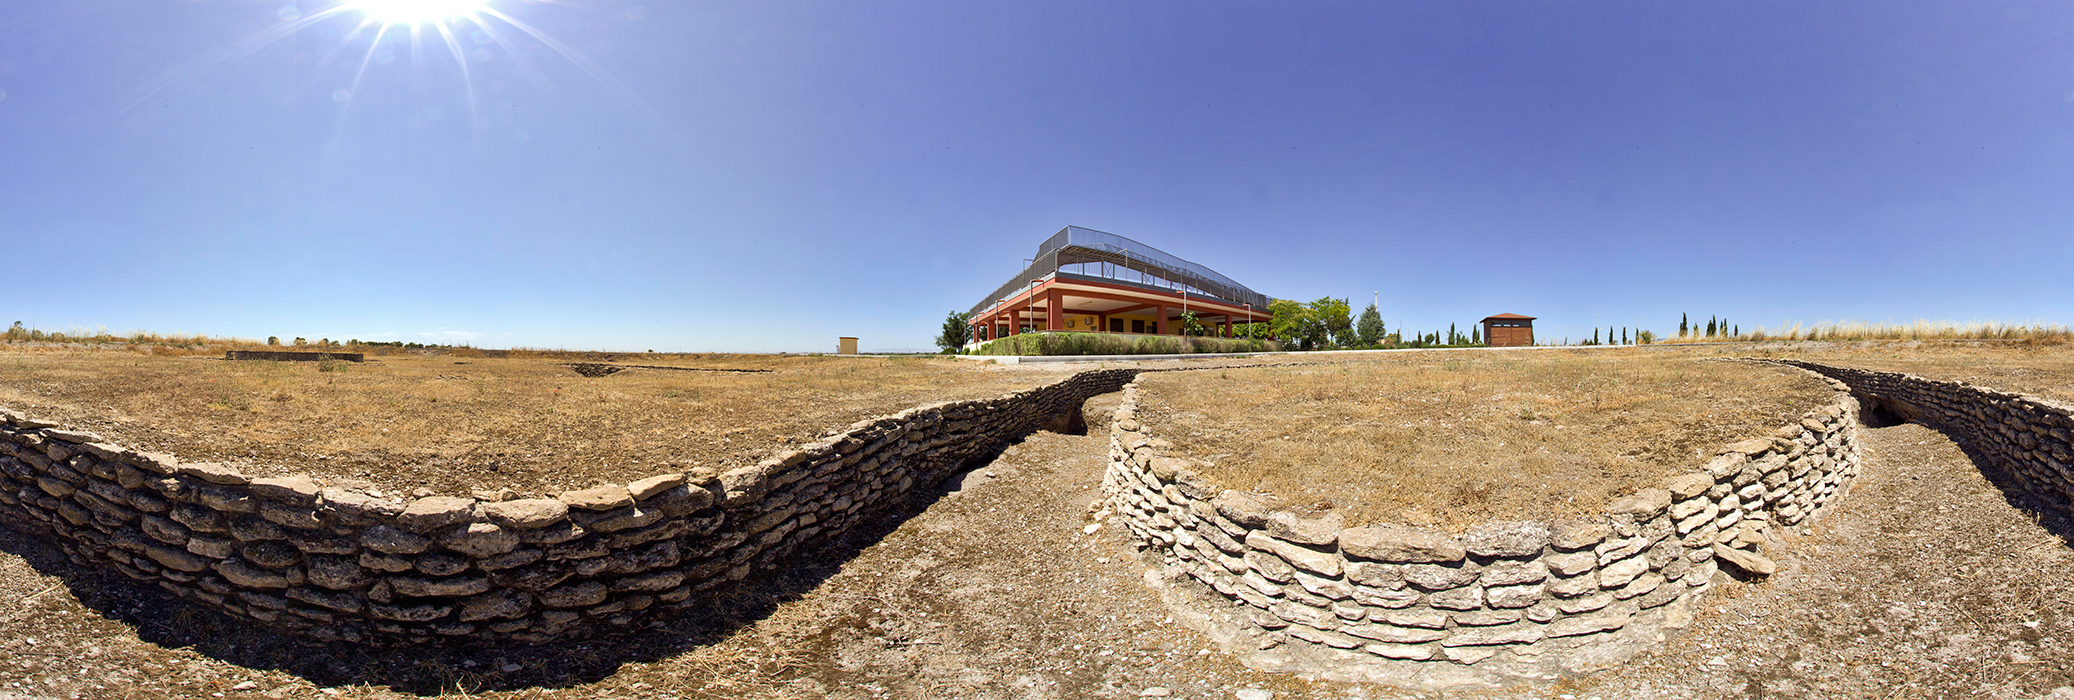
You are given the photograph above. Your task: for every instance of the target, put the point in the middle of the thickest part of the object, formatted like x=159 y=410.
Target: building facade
x=1090 y=281
x=1508 y=330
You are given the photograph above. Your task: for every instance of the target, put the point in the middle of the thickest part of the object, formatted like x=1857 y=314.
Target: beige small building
x=845 y=346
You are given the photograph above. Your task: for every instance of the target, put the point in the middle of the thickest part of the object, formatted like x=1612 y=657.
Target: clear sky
x=767 y=176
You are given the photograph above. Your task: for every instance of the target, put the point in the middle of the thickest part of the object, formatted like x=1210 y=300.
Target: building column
x=1161 y=327
x=1102 y=323
x=1054 y=310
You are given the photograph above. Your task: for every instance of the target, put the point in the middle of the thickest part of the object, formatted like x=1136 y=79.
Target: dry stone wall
x=336 y=563
x=2029 y=438
x=1299 y=590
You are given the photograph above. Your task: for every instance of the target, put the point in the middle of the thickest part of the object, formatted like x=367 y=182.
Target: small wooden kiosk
x=1508 y=330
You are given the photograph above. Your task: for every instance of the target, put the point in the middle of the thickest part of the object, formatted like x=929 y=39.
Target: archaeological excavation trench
x=1294 y=590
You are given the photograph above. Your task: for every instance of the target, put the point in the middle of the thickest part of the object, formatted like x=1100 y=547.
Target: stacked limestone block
x=1503 y=600
x=2029 y=438
x=336 y=563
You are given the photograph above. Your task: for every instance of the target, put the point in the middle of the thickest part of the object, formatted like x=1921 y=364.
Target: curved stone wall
x=341 y=564
x=1418 y=607
x=2029 y=438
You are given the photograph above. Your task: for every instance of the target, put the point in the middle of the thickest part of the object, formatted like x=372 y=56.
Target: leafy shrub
x=1069 y=343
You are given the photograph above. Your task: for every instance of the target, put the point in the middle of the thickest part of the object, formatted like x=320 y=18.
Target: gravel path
x=1925 y=582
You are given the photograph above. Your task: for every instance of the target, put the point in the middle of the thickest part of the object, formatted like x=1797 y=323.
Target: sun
x=416 y=11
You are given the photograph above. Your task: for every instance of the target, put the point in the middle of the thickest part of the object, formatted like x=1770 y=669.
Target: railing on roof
x=1091 y=253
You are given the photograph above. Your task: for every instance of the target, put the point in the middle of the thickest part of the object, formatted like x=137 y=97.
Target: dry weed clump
x=1471 y=436
x=454 y=423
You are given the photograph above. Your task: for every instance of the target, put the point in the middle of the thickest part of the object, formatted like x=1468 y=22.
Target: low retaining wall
x=2029 y=438
x=1417 y=607
x=340 y=564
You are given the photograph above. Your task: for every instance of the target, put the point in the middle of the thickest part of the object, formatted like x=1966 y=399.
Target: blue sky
x=767 y=176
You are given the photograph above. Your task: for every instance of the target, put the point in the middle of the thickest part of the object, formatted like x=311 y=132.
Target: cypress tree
x=1595 y=335
x=1682 y=326
x=1475 y=335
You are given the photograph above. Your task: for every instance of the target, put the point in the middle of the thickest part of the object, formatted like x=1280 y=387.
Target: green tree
x=1334 y=319
x=956 y=330
x=1595 y=335
x=1475 y=335
x=1683 y=327
x=1370 y=329
x=1190 y=325
x=1710 y=326
x=1287 y=320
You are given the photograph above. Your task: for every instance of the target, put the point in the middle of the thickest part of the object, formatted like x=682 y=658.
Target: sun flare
x=416 y=11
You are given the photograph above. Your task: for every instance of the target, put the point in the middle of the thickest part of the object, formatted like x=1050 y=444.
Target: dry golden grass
x=1450 y=439
x=100 y=336
x=1919 y=330
x=459 y=421
x=2039 y=367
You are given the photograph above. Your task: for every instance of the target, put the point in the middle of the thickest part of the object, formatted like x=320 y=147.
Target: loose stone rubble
x=1297 y=590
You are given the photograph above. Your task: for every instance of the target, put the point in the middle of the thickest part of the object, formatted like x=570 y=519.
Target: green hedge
x=1059 y=343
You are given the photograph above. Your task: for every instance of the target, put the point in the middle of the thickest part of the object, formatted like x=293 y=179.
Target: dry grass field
x=453 y=424
x=987 y=592
x=1454 y=438
x=2043 y=368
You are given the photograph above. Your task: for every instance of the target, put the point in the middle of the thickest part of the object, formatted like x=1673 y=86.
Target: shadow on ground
x=2055 y=518
x=160 y=618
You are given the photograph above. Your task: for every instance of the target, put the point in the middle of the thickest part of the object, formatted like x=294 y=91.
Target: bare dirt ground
x=1926 y=582
x=1449 y=439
